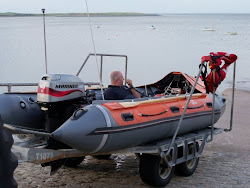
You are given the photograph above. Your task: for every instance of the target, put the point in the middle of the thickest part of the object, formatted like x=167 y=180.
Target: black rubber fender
x=8 y=161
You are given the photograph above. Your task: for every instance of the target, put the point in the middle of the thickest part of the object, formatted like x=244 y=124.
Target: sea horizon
x=176 y=43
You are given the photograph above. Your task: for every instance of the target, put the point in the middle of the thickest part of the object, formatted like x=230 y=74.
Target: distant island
x=110 y=14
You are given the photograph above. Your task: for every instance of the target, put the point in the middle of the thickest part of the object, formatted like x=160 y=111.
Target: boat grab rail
x=10 y=85
x=104 y=55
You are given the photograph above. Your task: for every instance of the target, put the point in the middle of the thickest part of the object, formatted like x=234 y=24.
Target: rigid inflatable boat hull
x=96 y=131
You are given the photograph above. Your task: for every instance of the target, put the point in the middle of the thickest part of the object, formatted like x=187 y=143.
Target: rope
x=92 y=36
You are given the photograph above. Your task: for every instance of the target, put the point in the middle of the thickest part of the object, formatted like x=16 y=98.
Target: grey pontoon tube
x=182 y=115
x=25 y=131
x=232 y=104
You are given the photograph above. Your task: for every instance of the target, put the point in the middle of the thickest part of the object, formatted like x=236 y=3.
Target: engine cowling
x=59 y=87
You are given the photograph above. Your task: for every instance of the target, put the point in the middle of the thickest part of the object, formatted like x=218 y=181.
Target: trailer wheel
x=73 y=161
x=102 y=157
x=154 y=171
x=187 y=168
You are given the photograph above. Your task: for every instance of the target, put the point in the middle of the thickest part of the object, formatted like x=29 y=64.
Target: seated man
x=118 y=91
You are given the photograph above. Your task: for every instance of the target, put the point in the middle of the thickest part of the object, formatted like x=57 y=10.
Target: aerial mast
x=46 y=65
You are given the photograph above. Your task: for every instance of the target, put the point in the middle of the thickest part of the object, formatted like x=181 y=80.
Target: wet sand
x=225 y=161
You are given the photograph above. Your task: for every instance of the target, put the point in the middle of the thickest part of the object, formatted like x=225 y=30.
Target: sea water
x=176 y=43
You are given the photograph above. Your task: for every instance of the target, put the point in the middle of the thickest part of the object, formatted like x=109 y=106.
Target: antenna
x=46 y=65
x=94 y=49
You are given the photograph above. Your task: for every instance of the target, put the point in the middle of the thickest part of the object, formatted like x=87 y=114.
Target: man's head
x=116 y=78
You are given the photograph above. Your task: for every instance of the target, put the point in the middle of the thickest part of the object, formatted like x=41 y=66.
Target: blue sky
x=145 y=6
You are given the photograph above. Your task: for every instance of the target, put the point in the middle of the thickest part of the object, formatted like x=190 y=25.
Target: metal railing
x=232 y=104
x=104 y=55
x=10 y=85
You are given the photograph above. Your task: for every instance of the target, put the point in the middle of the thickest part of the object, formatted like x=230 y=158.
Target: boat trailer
x=158 y=160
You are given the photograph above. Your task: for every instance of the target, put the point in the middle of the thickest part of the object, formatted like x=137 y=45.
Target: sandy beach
x=225 y=161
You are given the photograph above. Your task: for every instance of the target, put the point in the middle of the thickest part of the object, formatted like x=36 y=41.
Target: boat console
x=174 y=83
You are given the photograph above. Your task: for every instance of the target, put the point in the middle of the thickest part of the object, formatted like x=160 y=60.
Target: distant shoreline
x=108 y=14
x=111 y=14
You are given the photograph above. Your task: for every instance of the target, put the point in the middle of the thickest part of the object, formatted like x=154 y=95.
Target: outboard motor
x=59 y=95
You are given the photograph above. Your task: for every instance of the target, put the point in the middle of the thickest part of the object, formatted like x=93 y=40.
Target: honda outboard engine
x=59 y=95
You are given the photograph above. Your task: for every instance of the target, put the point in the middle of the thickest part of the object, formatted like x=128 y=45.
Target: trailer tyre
x=154 y=171
x=73 y=161
x=187 y=168
x=8 y=161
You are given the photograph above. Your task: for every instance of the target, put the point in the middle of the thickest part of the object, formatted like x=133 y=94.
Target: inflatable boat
x=167 y=127
x=76 y=119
